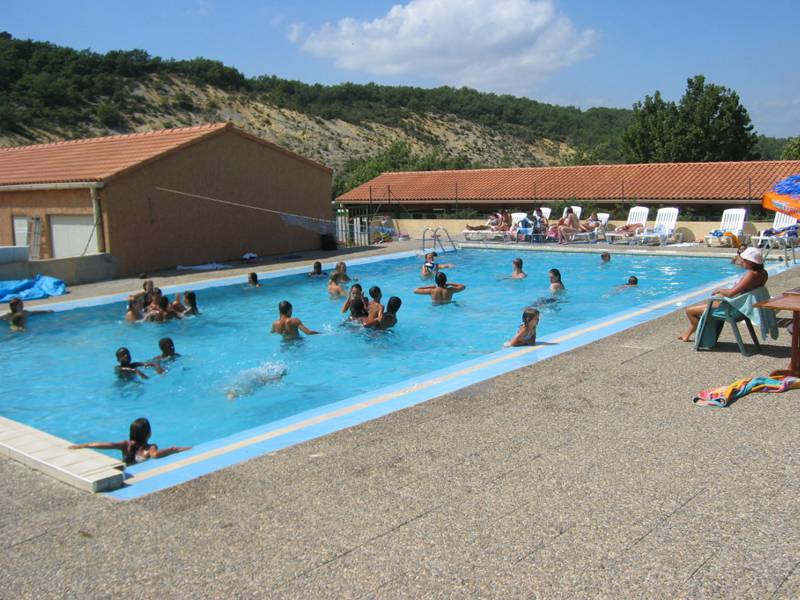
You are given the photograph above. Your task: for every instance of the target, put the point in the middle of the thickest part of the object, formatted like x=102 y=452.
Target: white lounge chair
x=576 y=209
x=732 y=223
x=781 y=221
x=593 y=236
x=663 y=230
x=637 y=214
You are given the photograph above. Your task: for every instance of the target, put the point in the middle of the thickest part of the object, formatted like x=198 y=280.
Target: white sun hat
x=754 y=255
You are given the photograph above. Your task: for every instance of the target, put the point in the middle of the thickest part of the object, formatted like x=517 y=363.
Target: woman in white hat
x=752 y=260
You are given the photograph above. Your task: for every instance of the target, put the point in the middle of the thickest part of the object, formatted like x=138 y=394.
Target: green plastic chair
x=713 y=320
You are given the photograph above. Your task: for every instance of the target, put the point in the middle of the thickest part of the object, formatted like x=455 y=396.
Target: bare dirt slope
x=174 y=102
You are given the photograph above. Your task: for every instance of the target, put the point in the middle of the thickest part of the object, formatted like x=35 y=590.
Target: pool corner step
x=84 y=469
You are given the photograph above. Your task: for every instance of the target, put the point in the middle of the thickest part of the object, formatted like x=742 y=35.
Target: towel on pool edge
x=724 y=395
x=40 y=286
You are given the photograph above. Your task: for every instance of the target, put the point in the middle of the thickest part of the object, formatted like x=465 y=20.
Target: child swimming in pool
x=127 y=369
x=316 y=270
x=249 y=380
x=167 y=347
x=335 y=285
x=252 y=281
x=289 y=326
x=17 y=316
x=137 y=448
x=526 y=334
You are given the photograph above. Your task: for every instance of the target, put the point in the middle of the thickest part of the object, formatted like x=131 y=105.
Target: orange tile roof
x=92 y=159
x=665 y=181
x=101 y=158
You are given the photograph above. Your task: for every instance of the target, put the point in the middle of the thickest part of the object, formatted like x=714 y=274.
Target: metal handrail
x=435 y=238
x=449 y=239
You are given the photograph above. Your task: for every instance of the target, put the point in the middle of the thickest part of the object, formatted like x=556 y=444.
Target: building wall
x=150 y=229
x=40 y=203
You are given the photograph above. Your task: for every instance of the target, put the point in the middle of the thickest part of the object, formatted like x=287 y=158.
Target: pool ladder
x=437 y=238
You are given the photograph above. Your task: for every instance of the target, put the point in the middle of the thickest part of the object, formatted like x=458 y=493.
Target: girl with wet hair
x=137 y=448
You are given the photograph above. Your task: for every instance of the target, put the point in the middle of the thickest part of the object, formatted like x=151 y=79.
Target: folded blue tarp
x=40 y=286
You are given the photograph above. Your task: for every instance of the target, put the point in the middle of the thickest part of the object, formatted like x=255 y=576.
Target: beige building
x=107 y=195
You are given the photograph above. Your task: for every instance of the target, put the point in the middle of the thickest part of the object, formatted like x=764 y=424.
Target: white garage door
x=72 y=234
x=20 y=231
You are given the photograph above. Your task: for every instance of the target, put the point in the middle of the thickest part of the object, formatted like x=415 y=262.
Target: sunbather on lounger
x=592 y=223
x=630 y=229
x=755 y=277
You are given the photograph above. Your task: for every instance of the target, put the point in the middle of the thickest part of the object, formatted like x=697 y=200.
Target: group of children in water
x=366 y=310
x=151 y=305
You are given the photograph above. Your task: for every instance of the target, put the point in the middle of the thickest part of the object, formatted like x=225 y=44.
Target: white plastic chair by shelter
x=663 y=230
x=517 y=217
x=546 y=210
x=767 y=240
x=636 y=215
x=732 y=223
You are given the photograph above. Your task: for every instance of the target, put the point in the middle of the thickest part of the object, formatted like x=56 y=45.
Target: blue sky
x=579 y=52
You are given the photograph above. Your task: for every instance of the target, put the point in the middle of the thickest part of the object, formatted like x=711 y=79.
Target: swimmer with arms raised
x=431 y=267
x=137 y=448
x=442 y=292
x=289 y=326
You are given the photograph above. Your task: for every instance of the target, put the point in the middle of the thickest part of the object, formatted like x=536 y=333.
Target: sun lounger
x=731 y=226
x=663 y=230
x=780 y=234
x=637 y=214
x=594 y=235
x=733 y=310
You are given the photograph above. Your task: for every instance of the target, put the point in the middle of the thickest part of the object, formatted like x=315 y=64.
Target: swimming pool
x=59 y=376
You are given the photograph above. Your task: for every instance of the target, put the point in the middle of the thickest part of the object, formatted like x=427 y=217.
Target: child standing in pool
x=137 y=448
x=518 y=273
x=287 y=325
x=442 y=292
x=556 y=285
x=386 y=319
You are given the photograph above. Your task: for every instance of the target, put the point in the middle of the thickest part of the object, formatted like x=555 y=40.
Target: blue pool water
x=59 y=376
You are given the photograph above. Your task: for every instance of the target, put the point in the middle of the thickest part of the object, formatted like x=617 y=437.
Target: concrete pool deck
x=588 y=474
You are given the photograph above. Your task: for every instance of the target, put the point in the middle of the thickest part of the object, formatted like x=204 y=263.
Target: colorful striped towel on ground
x=724 y=395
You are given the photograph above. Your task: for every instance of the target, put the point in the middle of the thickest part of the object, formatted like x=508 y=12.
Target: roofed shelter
x=726 y=183
x=107 y=195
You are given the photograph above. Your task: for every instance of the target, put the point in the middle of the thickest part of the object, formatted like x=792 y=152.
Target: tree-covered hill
x=44 y=85
x=50 y=92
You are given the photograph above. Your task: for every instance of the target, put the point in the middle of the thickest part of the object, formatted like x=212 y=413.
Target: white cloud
x=503 y=45
x=295 y=32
